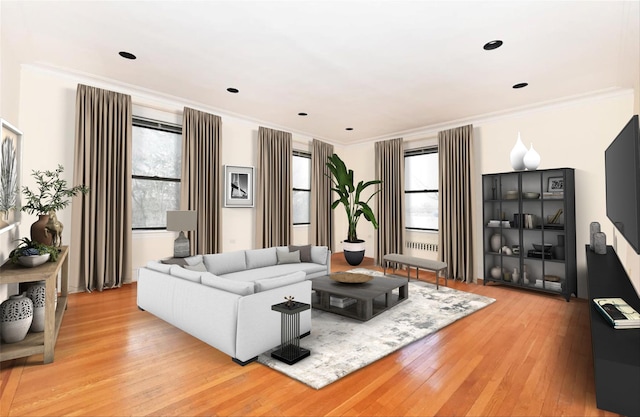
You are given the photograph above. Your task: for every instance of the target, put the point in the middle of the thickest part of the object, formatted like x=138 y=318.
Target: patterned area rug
x=340 y=345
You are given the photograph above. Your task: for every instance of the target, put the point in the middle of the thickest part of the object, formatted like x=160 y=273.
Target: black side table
x=290 y=351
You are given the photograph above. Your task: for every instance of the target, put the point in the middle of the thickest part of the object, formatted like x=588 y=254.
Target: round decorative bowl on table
x=33 y=260
x=350 y=278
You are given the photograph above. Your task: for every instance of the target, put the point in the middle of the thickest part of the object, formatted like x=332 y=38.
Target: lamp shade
x=178 y=221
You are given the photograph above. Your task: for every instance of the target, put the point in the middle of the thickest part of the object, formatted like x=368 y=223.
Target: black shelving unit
x=527 y=208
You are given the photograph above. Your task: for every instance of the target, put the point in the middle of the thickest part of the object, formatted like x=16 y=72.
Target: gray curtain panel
x=455 y=148
x=202 y=178
x=101 y=220
x=274 y=220
x=390 y=200
x=321 y=213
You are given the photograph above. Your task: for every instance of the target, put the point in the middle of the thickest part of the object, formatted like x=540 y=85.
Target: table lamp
x=179 y=221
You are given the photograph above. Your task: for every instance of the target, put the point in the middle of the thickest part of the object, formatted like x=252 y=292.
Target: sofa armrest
x=204 y=312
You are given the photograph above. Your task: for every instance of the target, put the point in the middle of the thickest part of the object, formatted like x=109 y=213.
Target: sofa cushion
x=271 y=283
x=229 y=285
x=193 y=260
x=224 y=263
x=319 y=254
x=305 y=252
x=158 y=266
x=288 y=257
x=180 y=272
x=275 y=271
x=197 y=267
x=257 y=258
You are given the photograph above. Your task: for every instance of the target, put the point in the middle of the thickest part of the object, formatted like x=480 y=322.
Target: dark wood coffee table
x=371 y=298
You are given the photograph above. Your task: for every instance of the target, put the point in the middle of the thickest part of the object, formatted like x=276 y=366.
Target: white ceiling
x=380 y=67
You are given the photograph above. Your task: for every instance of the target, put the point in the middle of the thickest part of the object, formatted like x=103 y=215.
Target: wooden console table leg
x=49 y=317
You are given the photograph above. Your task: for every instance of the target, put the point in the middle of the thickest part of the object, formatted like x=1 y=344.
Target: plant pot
x=353 y=252
x=39 y=231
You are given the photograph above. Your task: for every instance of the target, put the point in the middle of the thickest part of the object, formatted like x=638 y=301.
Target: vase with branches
x=52 y=194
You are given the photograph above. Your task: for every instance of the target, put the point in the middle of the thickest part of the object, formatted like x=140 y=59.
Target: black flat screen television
x=622 y=170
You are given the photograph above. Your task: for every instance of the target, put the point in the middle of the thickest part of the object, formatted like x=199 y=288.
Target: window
x=421 y=189
x=157 y=164
x=301 y=187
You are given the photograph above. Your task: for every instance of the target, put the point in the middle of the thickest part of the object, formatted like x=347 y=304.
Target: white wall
x=47 y=118
x=9 y=111
x=572 y=134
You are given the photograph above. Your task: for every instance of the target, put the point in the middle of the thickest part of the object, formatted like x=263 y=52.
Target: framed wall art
x=555 y=184
x=10 y=161
x=239 y=186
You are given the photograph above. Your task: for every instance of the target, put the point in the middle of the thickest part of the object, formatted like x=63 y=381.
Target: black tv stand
x=616 y=352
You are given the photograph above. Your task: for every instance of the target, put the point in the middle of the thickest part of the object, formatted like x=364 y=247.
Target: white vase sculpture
x=36 y=293
x=517 y=155
x=496 y=242
x=531 y=159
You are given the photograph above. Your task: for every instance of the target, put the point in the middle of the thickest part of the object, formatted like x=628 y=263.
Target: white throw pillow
x=197 y=267
x=271 y=283
x=193 y=260
x=229 y=285
x=180 y=272
x=288 y=257
x=319 y=254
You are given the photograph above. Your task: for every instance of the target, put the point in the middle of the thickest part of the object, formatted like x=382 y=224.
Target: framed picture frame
x=555 y=184
x=238 y=186
x=10 y=169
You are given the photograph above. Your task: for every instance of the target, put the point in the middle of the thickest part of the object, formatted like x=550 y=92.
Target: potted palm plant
x=52 y=195
x=355 y=205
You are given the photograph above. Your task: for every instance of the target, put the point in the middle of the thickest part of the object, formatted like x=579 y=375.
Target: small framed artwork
x=238 y=186
x=10 y=167
x=555 y=184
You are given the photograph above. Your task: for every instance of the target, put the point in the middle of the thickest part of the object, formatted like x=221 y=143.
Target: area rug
x=340 y=345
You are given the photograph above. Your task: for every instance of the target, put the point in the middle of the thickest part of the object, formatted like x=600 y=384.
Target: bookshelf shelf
x=527 y=213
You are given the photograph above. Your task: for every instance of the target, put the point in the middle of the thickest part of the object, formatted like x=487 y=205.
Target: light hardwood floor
x=527 y=354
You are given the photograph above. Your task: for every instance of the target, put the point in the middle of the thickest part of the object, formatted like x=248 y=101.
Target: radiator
x=430 y=247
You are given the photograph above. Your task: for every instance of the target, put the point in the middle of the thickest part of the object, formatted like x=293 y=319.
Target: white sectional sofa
x=225 y=299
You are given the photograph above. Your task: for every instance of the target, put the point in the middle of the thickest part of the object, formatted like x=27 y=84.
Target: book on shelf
x=618 y=313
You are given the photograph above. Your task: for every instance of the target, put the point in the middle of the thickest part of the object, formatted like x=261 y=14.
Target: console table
x=616 y=352
x=42 y=342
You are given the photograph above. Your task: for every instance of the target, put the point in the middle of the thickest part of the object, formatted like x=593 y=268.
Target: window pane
x=156 y=153
x=301 y=204
x=301 y=172
x=151 y=201
x=421 y=172
x=422 y=210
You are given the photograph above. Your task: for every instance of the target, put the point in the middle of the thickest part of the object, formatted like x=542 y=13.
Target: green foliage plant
x=53 y=193
x=28 y=247
x=350 y=196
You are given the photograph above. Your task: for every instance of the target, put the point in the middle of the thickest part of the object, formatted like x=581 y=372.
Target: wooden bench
x=412 y=261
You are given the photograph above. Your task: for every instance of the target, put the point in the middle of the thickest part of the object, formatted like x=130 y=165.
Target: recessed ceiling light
x=233 y=90
x=349 y=128
x=302 y=114
x=127 y=55
x=520 y=85
x=489 y=46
